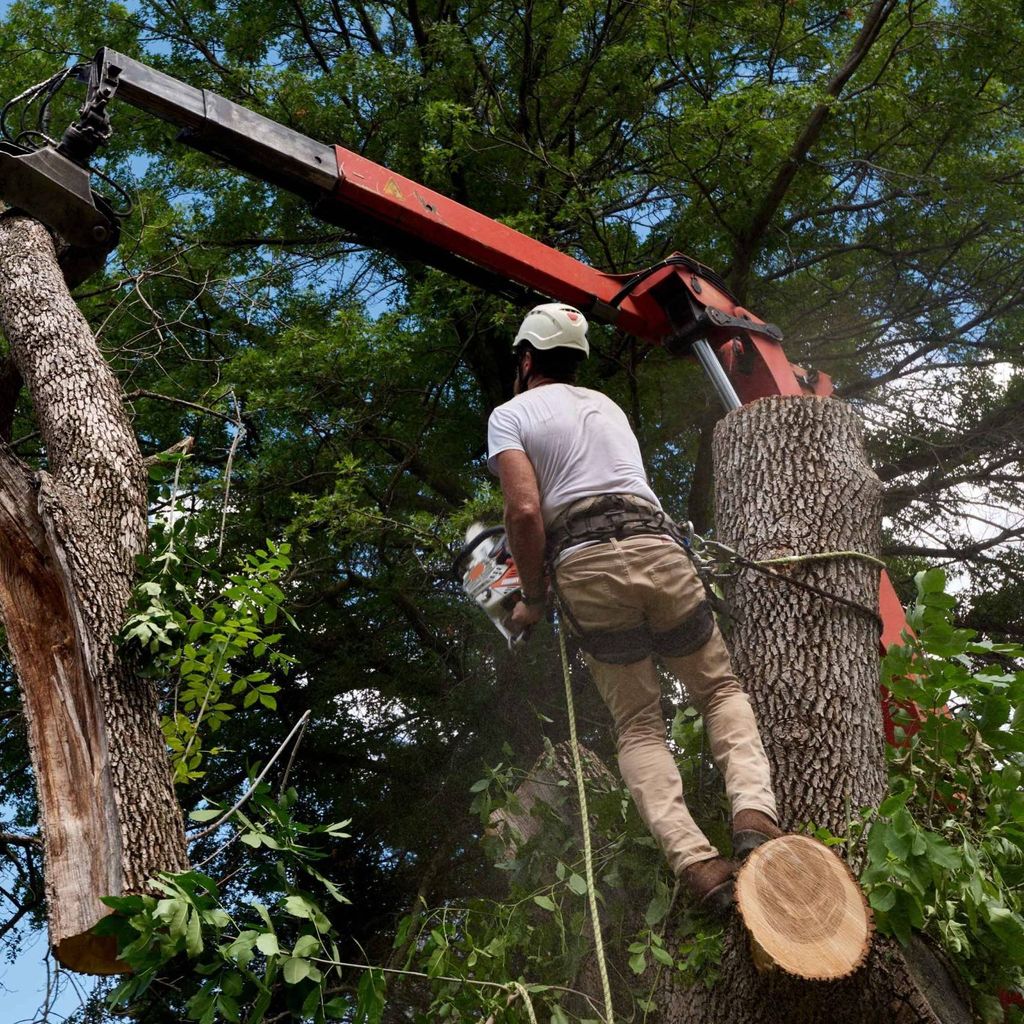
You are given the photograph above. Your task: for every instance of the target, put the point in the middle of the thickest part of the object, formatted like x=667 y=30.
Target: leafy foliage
x=539 y=933
x=199 y=627
x=945 y=853
x=235 y=961
x=352 y=386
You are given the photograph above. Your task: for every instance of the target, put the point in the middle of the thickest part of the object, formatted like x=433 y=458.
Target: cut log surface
x=803 y=909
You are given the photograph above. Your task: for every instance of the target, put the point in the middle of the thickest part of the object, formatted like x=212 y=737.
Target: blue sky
x=24 y=982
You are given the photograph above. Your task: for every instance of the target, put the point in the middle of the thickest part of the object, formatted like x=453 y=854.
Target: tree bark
x=69 y=536
x=791 y=478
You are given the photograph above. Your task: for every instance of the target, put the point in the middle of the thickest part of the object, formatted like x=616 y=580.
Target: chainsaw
x=490 y=577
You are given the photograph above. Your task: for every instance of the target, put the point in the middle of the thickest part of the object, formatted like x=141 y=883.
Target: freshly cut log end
x=90 y=954
x=805 y=913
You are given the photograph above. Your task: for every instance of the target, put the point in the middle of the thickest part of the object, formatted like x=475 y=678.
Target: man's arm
x=524 y=528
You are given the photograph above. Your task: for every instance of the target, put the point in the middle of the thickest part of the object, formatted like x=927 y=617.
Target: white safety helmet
x=554 y=325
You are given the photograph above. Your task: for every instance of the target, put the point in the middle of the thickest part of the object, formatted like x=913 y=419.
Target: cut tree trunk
x=69 y=536
x=551 y=782
x=804 y=910
x=791 y=479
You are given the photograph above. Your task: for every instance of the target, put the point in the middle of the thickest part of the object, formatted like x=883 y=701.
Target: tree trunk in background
x=69 y=537
x=791 y=478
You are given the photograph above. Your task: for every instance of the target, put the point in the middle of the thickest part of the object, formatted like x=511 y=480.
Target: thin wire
x=512 y=987
x=47 y=90
x=26 y=133
x=588 y=857
x=126 y=197
x=51 y=91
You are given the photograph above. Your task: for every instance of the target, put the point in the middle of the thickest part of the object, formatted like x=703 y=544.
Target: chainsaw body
x=490 y=577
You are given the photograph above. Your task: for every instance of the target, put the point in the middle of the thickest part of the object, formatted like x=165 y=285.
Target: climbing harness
x=606 y=516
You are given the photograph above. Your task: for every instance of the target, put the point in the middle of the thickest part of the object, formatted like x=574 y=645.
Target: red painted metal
x=420 y=214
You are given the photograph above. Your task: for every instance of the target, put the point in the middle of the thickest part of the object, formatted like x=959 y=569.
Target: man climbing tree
x=577 y=499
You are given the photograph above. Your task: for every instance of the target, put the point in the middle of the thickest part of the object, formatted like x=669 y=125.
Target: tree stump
x=791 y=478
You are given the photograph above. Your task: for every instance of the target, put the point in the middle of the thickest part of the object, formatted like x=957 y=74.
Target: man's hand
x=524 y=616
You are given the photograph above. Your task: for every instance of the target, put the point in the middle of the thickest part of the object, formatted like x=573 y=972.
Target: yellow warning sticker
x=392 y=189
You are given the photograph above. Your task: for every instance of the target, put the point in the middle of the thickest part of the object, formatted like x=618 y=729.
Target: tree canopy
x=853 y=172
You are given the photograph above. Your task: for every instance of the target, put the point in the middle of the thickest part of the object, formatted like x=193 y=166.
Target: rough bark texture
x=68 y=541
x=791 y=478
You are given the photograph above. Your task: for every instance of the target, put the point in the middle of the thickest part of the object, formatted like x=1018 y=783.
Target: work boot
x=710 y=883
x=751 y=829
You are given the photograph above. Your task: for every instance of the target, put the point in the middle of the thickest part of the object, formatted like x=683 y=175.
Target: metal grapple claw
x=54 y=190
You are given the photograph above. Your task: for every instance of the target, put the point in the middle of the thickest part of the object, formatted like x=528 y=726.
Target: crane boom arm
x=678 y=303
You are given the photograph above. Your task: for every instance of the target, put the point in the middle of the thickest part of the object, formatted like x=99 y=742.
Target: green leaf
x=578 y=884
x=306 y=945
x=193 y=935
x=174 y=913
x=1009 y=929
x=638 y=963
x=267 y=944
x=662 y=955
x=883 y=897
x=241 y=950
x=297 y=906
x=370 y=997
x=891 y=804
x=658 y=907
x=545 y=902
x=338 y=1008
x=296 y=969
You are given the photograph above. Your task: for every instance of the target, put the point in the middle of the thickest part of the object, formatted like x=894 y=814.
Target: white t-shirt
x=579 y=441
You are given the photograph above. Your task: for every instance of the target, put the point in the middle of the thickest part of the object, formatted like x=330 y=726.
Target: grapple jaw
x=55 y=190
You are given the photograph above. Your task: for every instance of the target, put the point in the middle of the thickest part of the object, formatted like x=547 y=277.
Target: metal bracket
x=718 y=318
x=602 y=312
x=92 y=129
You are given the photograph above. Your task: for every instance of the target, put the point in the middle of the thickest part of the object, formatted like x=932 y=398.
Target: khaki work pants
x=622 y=585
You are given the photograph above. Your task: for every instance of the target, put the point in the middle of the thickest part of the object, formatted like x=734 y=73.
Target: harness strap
x=602 y=517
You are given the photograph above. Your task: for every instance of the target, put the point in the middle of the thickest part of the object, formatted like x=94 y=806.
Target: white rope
x=588 y=857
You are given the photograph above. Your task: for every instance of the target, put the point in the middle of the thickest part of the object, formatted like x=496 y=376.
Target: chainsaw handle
x=468 y=548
